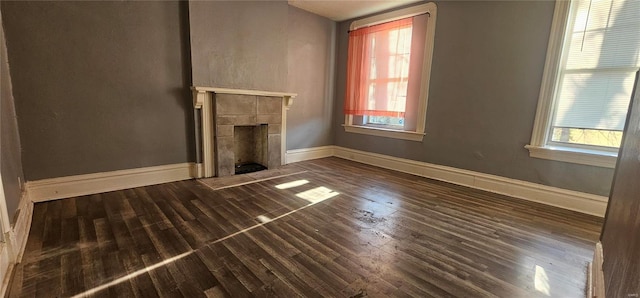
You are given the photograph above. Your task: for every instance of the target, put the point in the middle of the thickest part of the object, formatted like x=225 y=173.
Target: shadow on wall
x=183 y=95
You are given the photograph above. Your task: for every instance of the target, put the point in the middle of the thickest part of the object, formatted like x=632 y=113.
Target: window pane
x=397 y=96
x=386 y=120
x=594 y=137
x=605 y=36
x=594 y=100
x=389 y=70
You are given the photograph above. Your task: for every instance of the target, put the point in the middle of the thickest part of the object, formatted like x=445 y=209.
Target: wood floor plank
x=230 y=282
x=250 y=255
x=72 y=274
x=162 y=280
x=329 y=228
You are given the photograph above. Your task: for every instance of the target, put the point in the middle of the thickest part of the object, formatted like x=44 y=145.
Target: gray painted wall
x=485 y=80
x=310 y=62
x=100 y=86
x=241 y=44
x=10 y=158
x=269 y=46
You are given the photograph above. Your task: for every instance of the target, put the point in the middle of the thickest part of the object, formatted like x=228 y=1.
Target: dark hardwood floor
x=370 y=232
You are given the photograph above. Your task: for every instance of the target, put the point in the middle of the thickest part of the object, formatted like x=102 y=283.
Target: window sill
x=574 y=155
x=387 y=133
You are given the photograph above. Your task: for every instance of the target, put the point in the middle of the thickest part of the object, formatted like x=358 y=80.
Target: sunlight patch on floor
x=317 y=195
x=263 y=219
x=541 y=281
x=292 y=184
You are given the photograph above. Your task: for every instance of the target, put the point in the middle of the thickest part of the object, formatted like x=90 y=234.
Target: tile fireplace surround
x=219 y=110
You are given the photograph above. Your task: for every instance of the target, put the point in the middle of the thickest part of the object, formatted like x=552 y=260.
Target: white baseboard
x=596 y=282
x=22 y=226
x=6 y=266
x=297 y=155
x=558 y=197
x=16 y=240
x=71 y=186
x=79 y=185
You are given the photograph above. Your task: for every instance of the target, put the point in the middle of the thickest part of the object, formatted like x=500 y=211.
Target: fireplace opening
x=249 y=168
x=250 y=148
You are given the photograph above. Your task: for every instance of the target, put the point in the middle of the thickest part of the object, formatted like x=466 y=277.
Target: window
x=593 y=54
x=388 y=68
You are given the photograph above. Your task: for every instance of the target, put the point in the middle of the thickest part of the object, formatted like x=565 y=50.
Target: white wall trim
x=7 y=255
x=554 y=196
x=22 y=226
x=297 y=155
x=6 y=267
x=574 y=155
x=387 y=133
x=550 y=75
x=558 y=197
x=244 y=92
x=16 y=240
x=596 y=275
x=73 y=186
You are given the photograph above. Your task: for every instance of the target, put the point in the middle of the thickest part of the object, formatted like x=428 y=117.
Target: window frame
x=541 y=146
x=419 y=133
x=5 y=224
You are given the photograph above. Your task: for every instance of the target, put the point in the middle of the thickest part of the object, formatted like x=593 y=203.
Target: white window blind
x=600 y=57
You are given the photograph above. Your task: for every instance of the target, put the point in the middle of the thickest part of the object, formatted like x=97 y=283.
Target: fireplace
x=250 y=148
x=239 y=129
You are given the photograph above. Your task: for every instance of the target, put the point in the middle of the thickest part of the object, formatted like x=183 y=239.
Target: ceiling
x=346 y=9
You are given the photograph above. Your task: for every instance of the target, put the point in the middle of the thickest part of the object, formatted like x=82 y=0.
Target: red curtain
x=377 y=70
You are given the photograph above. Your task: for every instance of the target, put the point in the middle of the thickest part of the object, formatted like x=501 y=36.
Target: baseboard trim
x=558 y=197
x=297 y=155
x=23 y=225
x=6 y=267
x=79 y=185
x=16 y=241
x=71 y=186
x=596 y=281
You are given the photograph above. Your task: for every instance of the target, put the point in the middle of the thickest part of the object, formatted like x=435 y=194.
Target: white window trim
x=5 y=224
x=418 y=134
x=385 y=132
x=538 y=147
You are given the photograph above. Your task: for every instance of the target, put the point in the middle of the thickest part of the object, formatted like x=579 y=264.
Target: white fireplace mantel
x=198 y=101
x=203 y=101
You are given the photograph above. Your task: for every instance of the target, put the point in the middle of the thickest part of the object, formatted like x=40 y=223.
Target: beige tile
x=269 y=105
x=269 y=119
x=225 y=156
x=275 y=156
x=275 y=128
x=237 y=120
x=225 y=130
x=231 y=104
